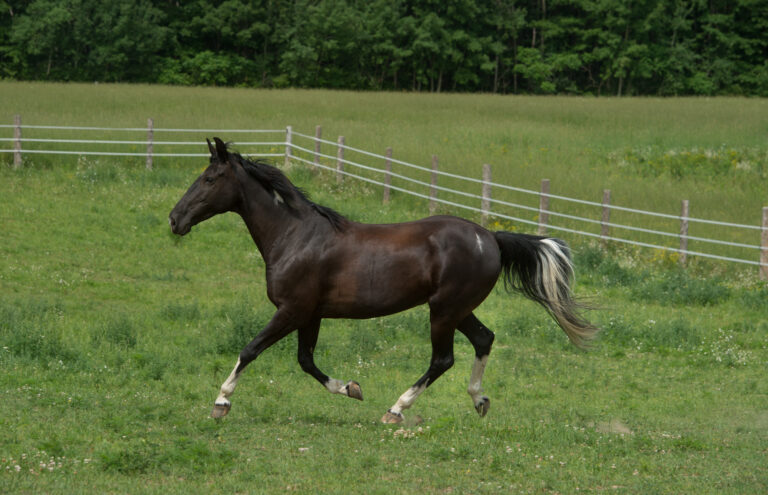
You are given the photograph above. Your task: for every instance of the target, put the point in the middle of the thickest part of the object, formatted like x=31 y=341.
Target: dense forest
x=599 y=47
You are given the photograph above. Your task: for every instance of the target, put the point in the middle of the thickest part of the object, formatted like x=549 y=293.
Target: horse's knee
x=442 y=364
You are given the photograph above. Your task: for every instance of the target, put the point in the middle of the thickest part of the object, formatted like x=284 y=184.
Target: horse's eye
x=210 y=180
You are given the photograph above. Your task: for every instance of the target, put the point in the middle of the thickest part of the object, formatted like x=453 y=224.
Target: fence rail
x=150 y=143
x=340 y=164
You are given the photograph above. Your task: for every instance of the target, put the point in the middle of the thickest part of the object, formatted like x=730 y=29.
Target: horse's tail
x=541 y=269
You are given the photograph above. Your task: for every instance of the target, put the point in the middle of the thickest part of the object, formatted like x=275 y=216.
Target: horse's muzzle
x=177 y=227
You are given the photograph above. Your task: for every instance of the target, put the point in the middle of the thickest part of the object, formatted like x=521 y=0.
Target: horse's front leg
x=278 y=327
x=307 y=341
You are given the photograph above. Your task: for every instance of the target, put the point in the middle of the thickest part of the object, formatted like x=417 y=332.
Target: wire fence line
x=101 y=141
x=490 y=206
x=433 y=188
x=525 y=191
x=19 y=150
x=498 y=201
x=140 y=129
x=517 y=219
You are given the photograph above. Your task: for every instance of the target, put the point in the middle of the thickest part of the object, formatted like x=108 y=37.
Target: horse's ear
x=210 y=147
x=221 y=150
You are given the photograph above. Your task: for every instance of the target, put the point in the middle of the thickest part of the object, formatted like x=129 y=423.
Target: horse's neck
x=269 y=224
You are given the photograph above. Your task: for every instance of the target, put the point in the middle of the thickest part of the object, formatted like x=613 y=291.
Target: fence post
x=340 y=160
x=318 y=136
x=150 y=139
x=485 y=204
x=432 y=189
x=764 y=246
x=684 y=232
x=17 y=141
x=387 y=174
x=605 y=230
x=288 y=141
x=544 y=207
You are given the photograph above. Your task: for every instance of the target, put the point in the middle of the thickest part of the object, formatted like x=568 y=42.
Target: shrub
x=678 y=287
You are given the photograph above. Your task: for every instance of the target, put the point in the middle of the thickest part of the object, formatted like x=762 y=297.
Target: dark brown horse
x=322 y=265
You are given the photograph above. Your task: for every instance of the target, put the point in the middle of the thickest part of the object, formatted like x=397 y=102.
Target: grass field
x=116 y=335
x=650 y=152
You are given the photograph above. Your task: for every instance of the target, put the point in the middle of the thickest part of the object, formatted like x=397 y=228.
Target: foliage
x=620 y=47
x=719 y=162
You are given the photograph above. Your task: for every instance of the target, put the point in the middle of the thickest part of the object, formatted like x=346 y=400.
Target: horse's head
x=215 y=191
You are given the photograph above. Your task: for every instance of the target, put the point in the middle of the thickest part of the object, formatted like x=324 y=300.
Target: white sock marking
x=475 y=389
x=229 y=386
x=336 y=386
x=407 y=399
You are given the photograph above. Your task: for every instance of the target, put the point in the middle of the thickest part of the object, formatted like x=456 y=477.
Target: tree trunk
x=543 y=17
x=514 y=65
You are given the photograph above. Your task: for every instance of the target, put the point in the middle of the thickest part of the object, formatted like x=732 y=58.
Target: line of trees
x=600 y=47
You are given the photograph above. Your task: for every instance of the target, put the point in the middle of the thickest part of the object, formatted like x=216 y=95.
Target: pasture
x=115 y=335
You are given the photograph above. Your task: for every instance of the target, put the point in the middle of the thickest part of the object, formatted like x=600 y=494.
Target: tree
x=615 y=47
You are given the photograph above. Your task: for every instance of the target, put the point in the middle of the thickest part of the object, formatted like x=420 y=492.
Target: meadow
x=115 y=335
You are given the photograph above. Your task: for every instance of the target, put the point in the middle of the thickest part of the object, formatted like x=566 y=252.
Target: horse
x=320 y=264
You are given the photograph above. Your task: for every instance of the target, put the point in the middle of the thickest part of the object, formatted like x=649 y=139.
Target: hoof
x=483 y=406
x=220 y=410
x=392 y=418
x=354 y=390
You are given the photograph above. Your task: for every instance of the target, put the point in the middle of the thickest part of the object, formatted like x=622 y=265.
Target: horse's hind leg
x=481 y=339
x=307 y=341
x=442 y=360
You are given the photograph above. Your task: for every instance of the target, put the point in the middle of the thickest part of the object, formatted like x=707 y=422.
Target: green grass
x=115 y=336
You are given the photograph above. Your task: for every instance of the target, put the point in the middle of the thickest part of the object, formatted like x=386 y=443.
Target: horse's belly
x=378 y=287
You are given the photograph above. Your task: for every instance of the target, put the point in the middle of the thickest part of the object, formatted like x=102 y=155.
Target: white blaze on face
x=479 y=243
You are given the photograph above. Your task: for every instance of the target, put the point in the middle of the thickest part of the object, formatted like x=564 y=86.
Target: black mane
x=274 y=181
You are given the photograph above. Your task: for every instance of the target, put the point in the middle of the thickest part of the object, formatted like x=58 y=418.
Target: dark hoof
x=483 y=406
x=220 y=410
x=392 y=418
x=354 y=390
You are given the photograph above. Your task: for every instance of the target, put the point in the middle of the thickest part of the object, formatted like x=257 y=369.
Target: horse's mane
x=275 y=182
